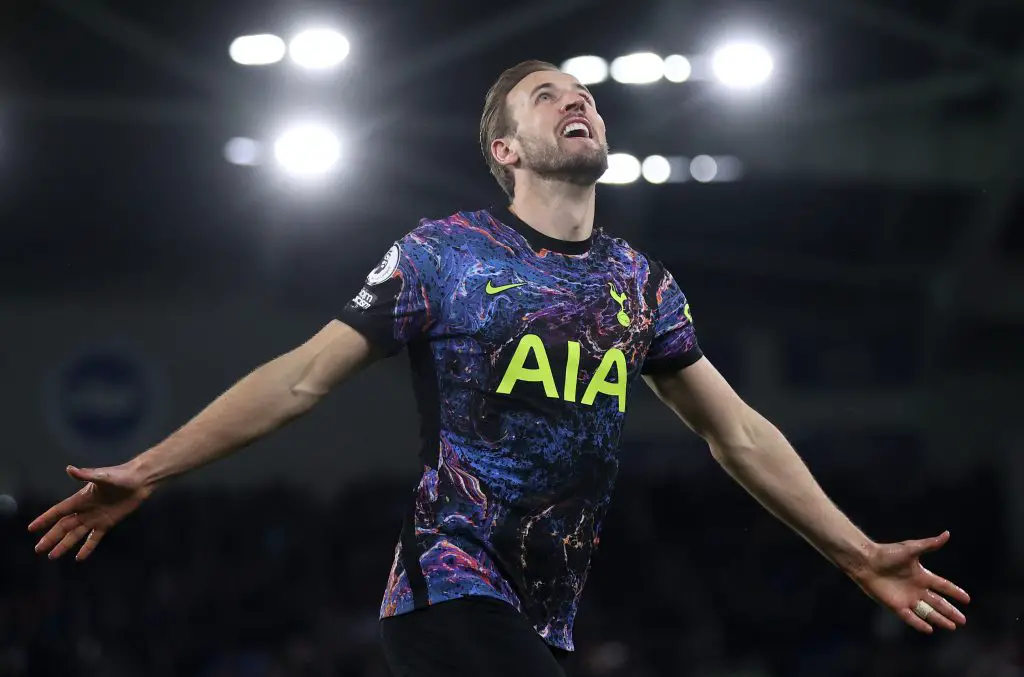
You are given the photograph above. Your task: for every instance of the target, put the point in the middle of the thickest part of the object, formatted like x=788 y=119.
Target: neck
x=554 y=208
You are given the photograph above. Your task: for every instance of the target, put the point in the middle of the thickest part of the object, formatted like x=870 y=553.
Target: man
x=526 y=329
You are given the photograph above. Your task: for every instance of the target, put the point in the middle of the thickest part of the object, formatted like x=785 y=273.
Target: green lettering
x=572 y=371
x=599 y=384
x=518 y=371
x=531 y=344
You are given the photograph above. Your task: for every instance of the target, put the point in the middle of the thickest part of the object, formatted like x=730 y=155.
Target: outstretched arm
x=397 y=304
x=757 y=455
x=266 y=399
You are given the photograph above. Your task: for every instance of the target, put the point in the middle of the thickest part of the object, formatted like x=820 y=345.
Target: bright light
x=318 y=49
x=242 y=151
x=622 y=168
x=589 y=70
x=638 y=69
x=729 y=168
x=704 y=168
x=656 y=169
x=257 y=50
x=677 y=68
x=742 y=65
x=308 y=150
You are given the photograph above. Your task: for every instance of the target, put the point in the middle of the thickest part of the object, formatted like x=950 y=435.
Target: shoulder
x=436 y=247
x=646 y=265
x=451 y=231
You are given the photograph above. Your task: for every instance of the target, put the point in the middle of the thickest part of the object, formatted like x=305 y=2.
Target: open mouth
x=577 y=129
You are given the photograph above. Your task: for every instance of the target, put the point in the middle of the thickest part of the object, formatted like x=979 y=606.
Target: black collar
x=539 y=240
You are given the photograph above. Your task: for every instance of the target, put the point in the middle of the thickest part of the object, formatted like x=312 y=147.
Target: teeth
x=574 y=127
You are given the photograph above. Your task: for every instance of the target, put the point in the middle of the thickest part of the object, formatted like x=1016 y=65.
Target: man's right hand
x=110 y=495
x=270 y=396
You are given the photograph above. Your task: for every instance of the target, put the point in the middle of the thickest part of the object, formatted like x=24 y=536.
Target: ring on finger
x=923 y=610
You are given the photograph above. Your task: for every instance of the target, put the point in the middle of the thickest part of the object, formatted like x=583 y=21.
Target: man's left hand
x=893 y=576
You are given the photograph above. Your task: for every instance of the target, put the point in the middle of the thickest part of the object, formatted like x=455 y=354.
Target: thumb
x=929 y=544
x=84 y=474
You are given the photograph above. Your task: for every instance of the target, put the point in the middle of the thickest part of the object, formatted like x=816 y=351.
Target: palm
x=109 y=495
x=895 y=577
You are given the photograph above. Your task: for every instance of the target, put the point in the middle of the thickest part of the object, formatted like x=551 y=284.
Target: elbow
x=732 y=454
x=294 y=389
x=302 y=399
x=307 y=381
x=739 y=441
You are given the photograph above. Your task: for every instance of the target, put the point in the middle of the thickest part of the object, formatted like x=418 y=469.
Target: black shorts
x=468 y=637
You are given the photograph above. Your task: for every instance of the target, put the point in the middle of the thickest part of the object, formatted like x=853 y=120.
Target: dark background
x=860 y=284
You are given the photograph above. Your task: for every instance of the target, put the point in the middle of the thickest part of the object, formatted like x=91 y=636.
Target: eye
x=544 y=96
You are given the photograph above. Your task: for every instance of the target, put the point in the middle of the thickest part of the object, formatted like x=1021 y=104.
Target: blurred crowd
x=693 y=578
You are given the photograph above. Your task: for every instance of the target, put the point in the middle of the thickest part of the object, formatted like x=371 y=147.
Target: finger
x=937 y=619
x=929 y=544
x=68 y=506
x=947 y=588
x=86 y=474
x=95 y=536
x=69 y=540
x=914 y=621
x=57 y=533
x=942 y=606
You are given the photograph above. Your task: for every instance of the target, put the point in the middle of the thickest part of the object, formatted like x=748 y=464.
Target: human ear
x=504 y=152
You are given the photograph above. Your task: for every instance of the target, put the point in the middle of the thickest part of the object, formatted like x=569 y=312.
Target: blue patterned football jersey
x=524 y=351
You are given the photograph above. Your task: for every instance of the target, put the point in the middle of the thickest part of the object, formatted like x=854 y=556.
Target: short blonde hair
x=496 y=121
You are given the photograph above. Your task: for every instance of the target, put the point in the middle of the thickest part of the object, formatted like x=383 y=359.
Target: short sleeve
x=674 y=346
x=397 y=304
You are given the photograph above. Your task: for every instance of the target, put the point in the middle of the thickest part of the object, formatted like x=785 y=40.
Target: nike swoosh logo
x=491 y=289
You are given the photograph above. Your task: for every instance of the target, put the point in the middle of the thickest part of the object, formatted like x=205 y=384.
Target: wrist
x=855 y=561
x=143 y=473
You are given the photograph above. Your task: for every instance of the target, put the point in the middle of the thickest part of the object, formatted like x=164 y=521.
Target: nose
x=575 y=103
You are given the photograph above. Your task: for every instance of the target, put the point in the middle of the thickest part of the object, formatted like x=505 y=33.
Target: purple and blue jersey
x=524 y=350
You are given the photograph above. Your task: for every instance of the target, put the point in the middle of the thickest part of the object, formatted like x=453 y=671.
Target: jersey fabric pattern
x=524 y=350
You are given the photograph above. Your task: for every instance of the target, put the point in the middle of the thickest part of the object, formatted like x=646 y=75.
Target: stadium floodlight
x=656 y=169
x=742 y=65
x=638 y=69
x=242 y=151
x=729 y=168
x=589 y=70
x=677 y=68
x=704 y=168
x=622 y=168
x=318 y=49
x=257 y=50
x=307 y=150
